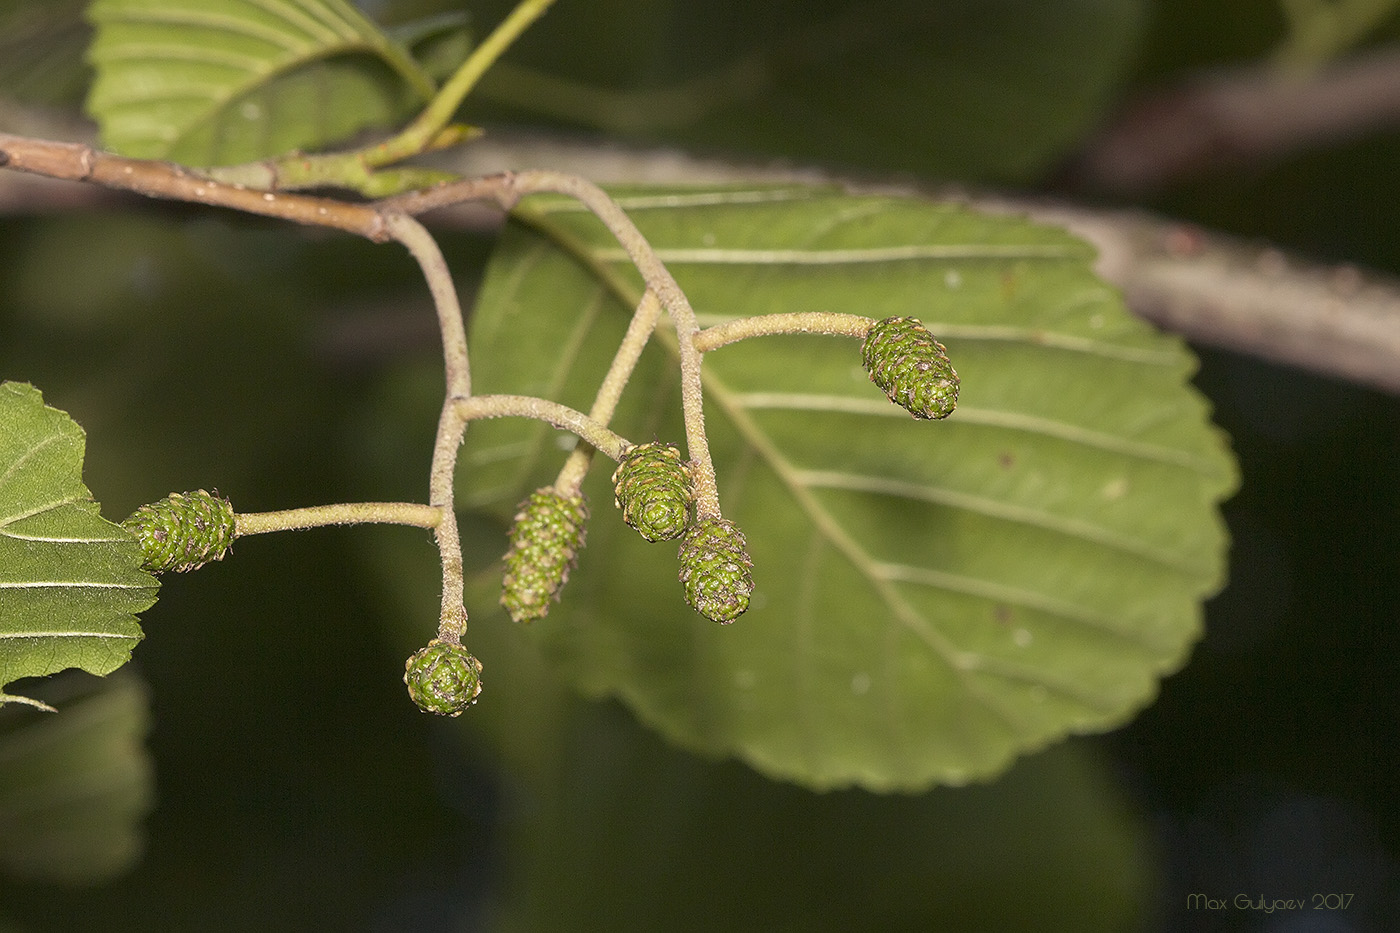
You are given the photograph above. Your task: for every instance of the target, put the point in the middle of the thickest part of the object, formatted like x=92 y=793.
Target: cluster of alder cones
x=653 y=486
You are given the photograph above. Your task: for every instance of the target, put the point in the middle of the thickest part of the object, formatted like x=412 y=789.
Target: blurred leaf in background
x=41 y=54
x=75 y=784
x=988 y=91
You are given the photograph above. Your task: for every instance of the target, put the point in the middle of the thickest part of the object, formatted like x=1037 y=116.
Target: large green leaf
x=933 y=598
x=209 y=82
x=70 y=581
x=75 y=786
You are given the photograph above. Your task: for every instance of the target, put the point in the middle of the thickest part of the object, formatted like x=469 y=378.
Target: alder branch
x=78 y=162
x=1210 y=288
x=1238 y=116
x=1249 y=297
x=1213 y=289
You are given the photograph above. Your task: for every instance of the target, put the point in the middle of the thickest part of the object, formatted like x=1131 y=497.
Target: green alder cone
x=911 y=367
x=544 y=545
x=443 y=678
x=715 y=567
x=184 y=531
x=655 y=490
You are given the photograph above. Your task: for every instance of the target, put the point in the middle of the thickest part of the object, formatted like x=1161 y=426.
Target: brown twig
x=1238 y=116
x=1213 y=289
x=1250 y=297
x=77 y=162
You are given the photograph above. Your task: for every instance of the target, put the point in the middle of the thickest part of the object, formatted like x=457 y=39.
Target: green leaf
x=75 y=785
x=209 y=82
x=933 y=598
x=70 y=581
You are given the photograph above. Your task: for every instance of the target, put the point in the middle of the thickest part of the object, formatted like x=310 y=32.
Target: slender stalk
x=420 y=134
x=344 y=513
x=453 y=618
x=456 y=361
x=513 y=185
x=639 y=331
x=804 y=322
x=660 y=281
x=592 y=432
x=451 y=424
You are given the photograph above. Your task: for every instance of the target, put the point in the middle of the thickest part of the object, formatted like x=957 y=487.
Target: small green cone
x=443 y=678
x=911 y=367
x=655 y=490
x=715 y=570
x=544 y=545
x=184 y=531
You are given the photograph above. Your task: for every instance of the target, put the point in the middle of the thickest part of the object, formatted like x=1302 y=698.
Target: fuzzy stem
x=803 y=322
x=639 y=331
x=451 y=424
x=508 y=187
x=591 y=431
x=660 y=281
x=343 y=513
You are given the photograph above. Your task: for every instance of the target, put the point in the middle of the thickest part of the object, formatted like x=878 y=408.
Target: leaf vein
x=73 y=584
x=981 y=417
x=1014 y=596
x=1084 y=531
x=843 y=257
x=70 y=634
x=27 y=455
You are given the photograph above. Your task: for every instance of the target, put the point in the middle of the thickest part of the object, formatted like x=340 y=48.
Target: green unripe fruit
x=443 y=678
x=655 y=490
x=183 y=531
x=715 y=566
x=544 y=545
x=911 y=367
